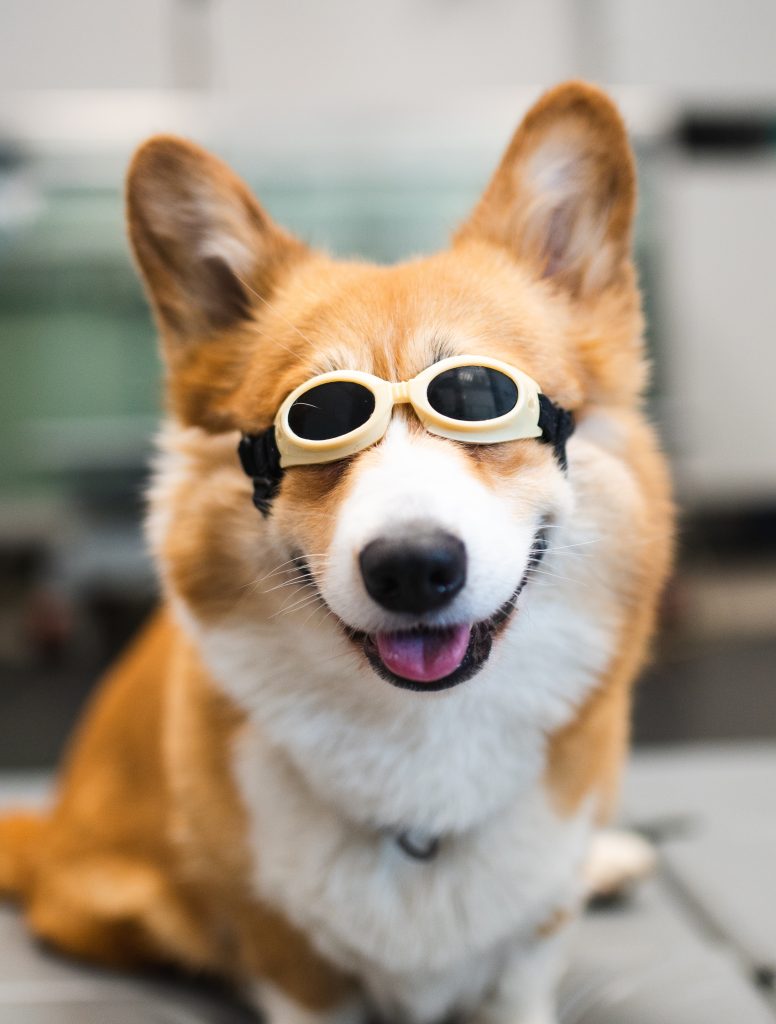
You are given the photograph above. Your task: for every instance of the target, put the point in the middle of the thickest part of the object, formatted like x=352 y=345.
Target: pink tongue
x=423 y=657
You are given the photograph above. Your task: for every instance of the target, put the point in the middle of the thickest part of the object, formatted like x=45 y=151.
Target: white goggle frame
x=522 y=421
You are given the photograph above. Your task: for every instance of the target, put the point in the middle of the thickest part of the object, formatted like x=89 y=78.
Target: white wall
x=698 y=50
x=718 y=295
x=388 y=51
x=82 y=44
x=394 y=52
x=340 y=51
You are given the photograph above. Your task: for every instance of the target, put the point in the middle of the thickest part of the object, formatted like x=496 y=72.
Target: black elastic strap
x=260 y=458
x=557 y=426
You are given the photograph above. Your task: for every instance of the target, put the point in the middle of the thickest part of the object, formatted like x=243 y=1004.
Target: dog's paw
x=617 y=859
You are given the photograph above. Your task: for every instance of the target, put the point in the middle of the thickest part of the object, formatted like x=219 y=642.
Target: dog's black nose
x=415 y=574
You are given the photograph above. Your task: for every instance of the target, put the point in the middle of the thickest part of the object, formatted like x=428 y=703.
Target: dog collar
x=260 y=456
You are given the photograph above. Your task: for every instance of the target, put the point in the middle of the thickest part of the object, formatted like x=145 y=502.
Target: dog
x=356 y=762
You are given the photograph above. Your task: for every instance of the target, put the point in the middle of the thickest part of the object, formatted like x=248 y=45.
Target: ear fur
x=209 y=255
x=563 y=197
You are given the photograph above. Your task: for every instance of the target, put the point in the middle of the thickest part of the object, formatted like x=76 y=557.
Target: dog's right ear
x=562 y=199
x=209 y=255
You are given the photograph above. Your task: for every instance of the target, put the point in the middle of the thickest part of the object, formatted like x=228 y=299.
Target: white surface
x=25 y=789
x=80 y=43
x=719 y=326
x=700 y=50
x=723 y=856
x=392 y=52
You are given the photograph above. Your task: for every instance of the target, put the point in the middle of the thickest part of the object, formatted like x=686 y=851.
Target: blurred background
x=370 y=128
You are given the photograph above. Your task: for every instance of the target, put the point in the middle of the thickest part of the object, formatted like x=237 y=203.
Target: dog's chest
x=433 y=931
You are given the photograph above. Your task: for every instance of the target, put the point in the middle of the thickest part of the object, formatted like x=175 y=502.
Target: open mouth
x=429 y=658
x=432 y=658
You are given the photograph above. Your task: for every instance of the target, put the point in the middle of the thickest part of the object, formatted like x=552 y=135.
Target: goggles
x=474 y=399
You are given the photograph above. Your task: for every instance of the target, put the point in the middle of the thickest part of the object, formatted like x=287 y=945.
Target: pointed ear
x=563 y=197
x=203 y=243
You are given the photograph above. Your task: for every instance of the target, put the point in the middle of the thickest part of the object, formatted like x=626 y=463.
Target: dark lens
x=472 y=393
x=331 y=410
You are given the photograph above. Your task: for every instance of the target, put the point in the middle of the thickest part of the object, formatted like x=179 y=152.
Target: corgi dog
x=357 y=760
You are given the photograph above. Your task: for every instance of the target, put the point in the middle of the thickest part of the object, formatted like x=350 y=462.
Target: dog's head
x=412 y=557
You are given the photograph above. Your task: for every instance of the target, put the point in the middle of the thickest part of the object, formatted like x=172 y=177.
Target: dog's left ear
x=211 y=259
x=563 y=197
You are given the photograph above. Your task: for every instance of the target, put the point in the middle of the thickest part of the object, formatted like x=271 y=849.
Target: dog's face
x=420 y=545
x=412 y=556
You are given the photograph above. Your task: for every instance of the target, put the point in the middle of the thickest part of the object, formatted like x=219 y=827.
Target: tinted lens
x=472 y=393
x=331 y=410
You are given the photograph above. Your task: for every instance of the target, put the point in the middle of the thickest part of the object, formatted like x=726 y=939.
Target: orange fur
x=586 y=755
x=144 y=856
x=21 y=835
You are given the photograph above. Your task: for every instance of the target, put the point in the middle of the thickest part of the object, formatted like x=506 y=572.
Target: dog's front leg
x=525 y=990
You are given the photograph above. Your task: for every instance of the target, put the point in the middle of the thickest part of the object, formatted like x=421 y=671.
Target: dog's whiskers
x=323 y=607
x=298 y=579
x=289 y=566
x=534 y=570
x=277 y=312
x=296 y=569
x=298 y=605
x=295 y=558
x=576 y=544
x=270 y=337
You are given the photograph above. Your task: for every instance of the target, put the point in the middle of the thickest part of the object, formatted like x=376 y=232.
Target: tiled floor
x=695 y=945
x=38 y=987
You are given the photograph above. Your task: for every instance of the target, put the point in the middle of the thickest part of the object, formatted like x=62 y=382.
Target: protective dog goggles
x=474 y=399
x=466 y=398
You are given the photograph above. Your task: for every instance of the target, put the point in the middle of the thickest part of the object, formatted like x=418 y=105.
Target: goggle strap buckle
x=260 y=458
x=557 y=426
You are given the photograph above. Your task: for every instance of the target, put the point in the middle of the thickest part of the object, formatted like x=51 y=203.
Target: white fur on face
x=414 y=480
